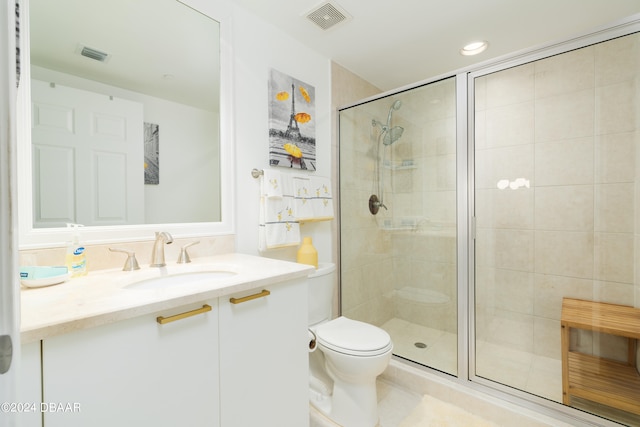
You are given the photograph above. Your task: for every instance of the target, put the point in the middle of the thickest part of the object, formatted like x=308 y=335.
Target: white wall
x=258 y=47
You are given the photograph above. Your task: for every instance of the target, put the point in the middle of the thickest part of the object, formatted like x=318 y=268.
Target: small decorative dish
x=37 y=276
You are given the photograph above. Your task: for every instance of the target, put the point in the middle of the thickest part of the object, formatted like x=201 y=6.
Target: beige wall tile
x=550 y=289
x=486 y=248
x=569 y=72
x=616 y=109
x=614 y=208
x=514 y=249
x=99 y=257
x=510 y=163
x=615 y=157
x=513 y=330
x=510 y=125
x=565 y=116
x=613 y=292
x=513 y=208
x=564 y=162
x=564 y=253
x=610 y=346
x=617 y=60
x=546 y=337
x=516 y=290
x=352 y=288
x=511 y=86
x=568 y=208
x=480 y=129
x=614 y=257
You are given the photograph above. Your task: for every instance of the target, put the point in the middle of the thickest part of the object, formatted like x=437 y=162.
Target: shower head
x=389 y=134
x=392 y=135
x=396 y=106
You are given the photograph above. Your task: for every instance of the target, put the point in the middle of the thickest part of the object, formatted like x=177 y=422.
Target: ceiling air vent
x=327 y=15
x=94 y=54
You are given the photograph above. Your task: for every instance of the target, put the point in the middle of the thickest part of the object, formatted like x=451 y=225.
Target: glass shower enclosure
x=490 y=220
x=398 y=220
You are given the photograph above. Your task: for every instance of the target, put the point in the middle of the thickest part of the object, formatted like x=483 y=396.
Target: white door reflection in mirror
x=88 y=158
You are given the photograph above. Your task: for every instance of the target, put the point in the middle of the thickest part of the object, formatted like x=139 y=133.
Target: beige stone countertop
x=103 y=297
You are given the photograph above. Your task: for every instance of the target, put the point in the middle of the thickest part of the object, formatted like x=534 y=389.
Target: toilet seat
x=353 y=337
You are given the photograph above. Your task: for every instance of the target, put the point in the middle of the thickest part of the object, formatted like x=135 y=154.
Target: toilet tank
x=321 y=293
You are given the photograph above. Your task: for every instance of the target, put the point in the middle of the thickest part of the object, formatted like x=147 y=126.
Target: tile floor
x=394 y=405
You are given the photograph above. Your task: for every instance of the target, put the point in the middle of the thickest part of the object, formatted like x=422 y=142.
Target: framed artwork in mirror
x=151 y=153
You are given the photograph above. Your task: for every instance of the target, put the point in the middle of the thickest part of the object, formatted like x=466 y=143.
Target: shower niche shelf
x=402 y=165
x=610 y=382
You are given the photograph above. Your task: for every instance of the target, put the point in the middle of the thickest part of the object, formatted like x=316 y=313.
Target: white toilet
x=349 y=357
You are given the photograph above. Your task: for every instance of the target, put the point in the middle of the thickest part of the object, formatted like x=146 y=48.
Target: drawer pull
x=162 y=320
x=264 y=293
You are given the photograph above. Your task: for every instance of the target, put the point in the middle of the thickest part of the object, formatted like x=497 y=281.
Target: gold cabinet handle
x=163 y=320
x=264 y=293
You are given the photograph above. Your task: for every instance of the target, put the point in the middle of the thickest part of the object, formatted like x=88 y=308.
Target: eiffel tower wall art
x=292 y=128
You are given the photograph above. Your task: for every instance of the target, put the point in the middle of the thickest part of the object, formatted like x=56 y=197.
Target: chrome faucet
x=157 y=256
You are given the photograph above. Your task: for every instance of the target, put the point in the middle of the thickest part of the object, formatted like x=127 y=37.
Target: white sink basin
x=181 y=279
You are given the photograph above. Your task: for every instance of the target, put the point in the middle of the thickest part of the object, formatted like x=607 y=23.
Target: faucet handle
x=184 y=255
x=131 y=263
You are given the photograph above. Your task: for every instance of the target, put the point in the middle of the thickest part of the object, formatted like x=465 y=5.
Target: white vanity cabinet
x=136 y=372
x=29 y=386
x=264 y=357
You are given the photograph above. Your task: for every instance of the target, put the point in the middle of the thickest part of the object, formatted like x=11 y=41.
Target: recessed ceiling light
x=474 y=48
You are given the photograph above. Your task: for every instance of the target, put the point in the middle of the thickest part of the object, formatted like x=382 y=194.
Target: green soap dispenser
x=76 y=260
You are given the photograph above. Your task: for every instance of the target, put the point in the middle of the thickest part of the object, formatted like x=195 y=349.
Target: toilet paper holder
x=312 y=341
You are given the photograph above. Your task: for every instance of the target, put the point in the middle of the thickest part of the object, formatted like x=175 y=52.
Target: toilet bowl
x=349 y=357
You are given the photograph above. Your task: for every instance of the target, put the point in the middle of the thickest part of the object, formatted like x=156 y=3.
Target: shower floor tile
x=519 y=369
x=439 y=351
x=427 y=346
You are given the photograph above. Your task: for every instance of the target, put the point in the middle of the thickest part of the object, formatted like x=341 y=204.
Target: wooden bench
x=610 y=382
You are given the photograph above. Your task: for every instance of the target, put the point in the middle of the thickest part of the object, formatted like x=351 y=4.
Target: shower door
x=556 y=205
x=398 y=220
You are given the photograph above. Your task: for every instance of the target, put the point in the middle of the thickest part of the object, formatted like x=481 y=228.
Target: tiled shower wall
x=562 y=135
x=412 y=243
x=425 y=252
x=366 y=256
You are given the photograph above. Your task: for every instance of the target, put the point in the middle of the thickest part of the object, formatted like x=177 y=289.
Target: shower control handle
x=375 y=204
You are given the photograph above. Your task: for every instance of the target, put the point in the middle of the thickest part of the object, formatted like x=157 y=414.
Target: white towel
x=288 y=193
x=278 y=227
x=322 y=202
x=313 y=198
x=271 y=183
x=303 y=198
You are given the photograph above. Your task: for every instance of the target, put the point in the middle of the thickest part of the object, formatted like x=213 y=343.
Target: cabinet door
x=29 y=386
x=135 y=373
x=264 y=361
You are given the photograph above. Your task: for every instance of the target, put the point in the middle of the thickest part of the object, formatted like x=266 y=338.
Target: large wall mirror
x=124 y=121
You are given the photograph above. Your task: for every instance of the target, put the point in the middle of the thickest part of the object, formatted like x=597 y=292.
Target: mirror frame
x=30 y=237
